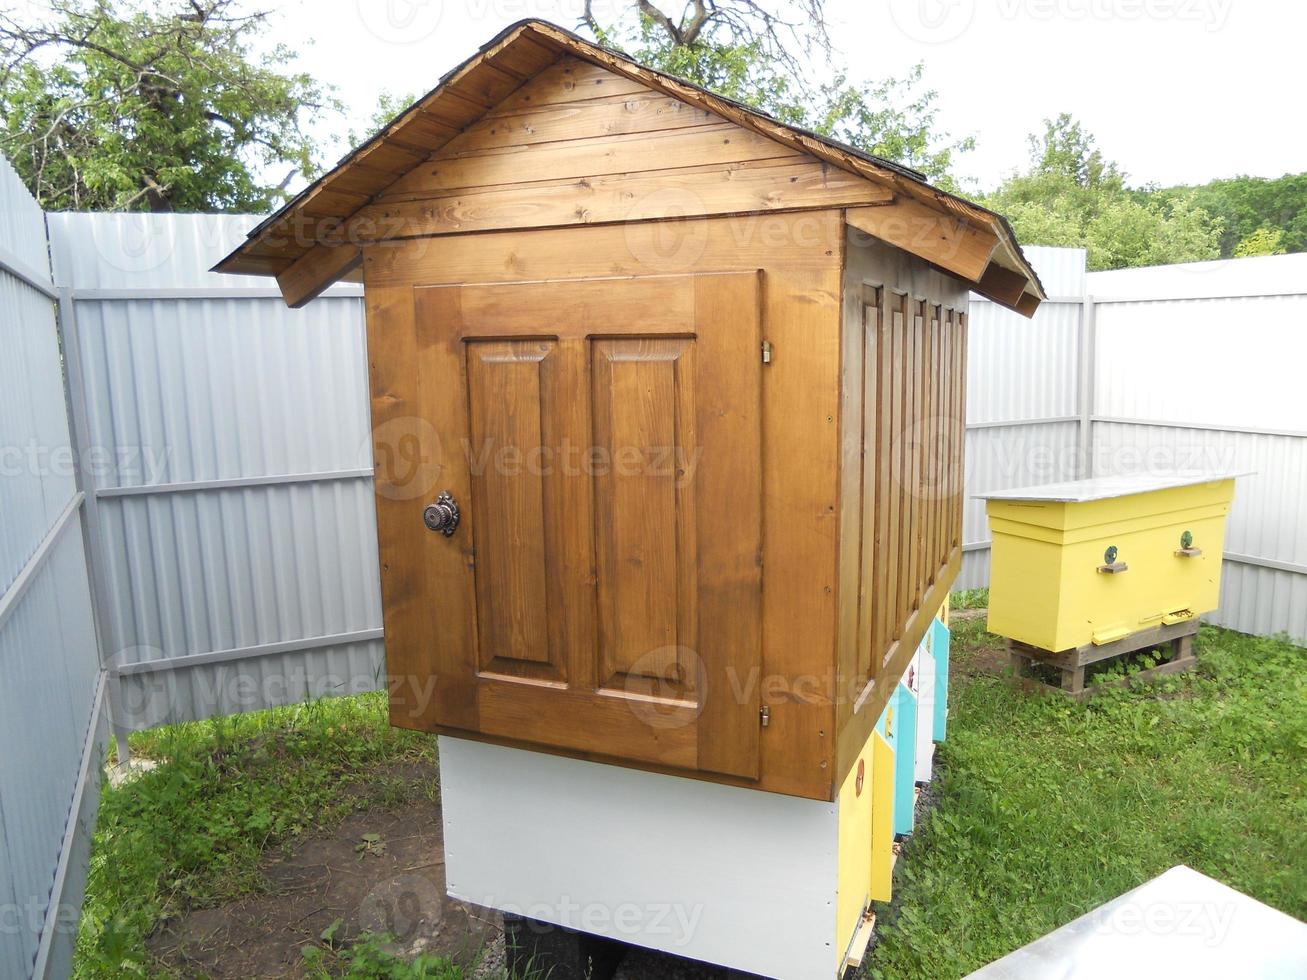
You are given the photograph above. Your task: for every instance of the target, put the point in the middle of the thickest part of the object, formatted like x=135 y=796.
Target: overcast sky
x=1177 y=91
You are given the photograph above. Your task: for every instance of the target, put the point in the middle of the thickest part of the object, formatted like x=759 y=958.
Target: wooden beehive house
x=694 y=381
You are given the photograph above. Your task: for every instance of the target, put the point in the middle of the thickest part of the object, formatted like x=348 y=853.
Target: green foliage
x=1048 y=808
x=369 y=959
x=1253 y=210
x=189 y=832
x=1263 y=241
x=151 y=106
x=968 y=599
x=1072 y=196
x=388 y=107
x=893 y=118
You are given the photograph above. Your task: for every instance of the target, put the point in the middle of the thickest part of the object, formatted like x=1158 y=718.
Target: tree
x=1248 y=204
x=1073 y=196
x=1263 y=241
x=760 y=56
x=151 y=106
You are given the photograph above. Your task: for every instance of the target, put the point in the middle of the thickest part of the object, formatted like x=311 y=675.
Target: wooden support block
x=1073 y=680
x=1072 y=663
x=861 y=939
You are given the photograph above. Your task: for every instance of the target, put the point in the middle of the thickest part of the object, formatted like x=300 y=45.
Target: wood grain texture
x=315 y=271
x=666 y=548
x=482 y=95
x=614 y=116
x=910 y=470
x=947 y=241
x=567 y=80
x=512 y=393
x=575 y=159
x=762 y=185
x=798 y=403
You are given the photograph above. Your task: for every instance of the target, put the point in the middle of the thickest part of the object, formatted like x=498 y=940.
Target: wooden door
x=602 y=438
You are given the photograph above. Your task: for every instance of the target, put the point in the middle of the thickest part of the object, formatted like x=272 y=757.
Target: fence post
x=80 y=433
x=1087 y=373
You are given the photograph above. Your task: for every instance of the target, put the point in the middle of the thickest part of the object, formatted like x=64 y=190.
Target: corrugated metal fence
x=215 y=463
x=1181 y=366
x=52 y=725
x=234 y=542
x=231 y=507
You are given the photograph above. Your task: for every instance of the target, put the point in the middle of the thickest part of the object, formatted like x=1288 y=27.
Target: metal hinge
x=766 y=352
x=764 y=715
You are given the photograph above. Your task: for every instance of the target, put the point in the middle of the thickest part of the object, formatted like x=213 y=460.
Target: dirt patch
x=380 y=871
x=975 y=651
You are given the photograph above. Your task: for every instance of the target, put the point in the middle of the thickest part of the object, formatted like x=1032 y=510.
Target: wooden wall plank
x=600 y=117
x=574 y=159
x=567 y=80
x=733 y=189
x=910 y=480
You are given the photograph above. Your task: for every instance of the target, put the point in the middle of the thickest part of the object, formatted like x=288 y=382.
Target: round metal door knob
x=442 y=516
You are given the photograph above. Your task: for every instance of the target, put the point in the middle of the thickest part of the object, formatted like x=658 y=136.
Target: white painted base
x=729 y=876
x=924 y=682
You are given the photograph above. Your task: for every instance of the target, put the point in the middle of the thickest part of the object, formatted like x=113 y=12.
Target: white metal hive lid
x=1105 y=487
x=1180 y=924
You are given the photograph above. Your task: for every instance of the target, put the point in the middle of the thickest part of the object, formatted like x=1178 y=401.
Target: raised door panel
x=645 y=529
x=512 y=391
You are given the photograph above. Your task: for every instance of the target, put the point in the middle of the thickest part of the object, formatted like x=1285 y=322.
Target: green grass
x=190 y=833
x=969 y=599
x=1047 y=808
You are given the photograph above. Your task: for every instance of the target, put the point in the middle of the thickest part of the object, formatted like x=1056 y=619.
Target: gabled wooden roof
x=307 y=247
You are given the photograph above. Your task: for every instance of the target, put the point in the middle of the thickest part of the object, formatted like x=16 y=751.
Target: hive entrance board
x=602 y=592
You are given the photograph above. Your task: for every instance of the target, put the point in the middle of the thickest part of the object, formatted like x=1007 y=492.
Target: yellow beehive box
x=1093 y=561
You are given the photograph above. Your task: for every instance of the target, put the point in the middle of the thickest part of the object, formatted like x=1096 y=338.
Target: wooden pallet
x=1072 y=663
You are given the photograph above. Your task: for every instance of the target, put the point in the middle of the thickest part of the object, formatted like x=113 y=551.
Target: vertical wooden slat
x=868 y=594
x=961 y=423
x=954 y=433
x=897 y=517
x=940 y=471
x=884 y=469
x=922 y=502
x=946 y=368
x=911 y=393
x=941 y=435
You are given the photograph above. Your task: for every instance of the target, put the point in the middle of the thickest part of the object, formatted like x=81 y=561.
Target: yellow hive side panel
x=1156 y=582
x=1045 y=586
x=882 y=818
x=1024 y=576
x=853 y=882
